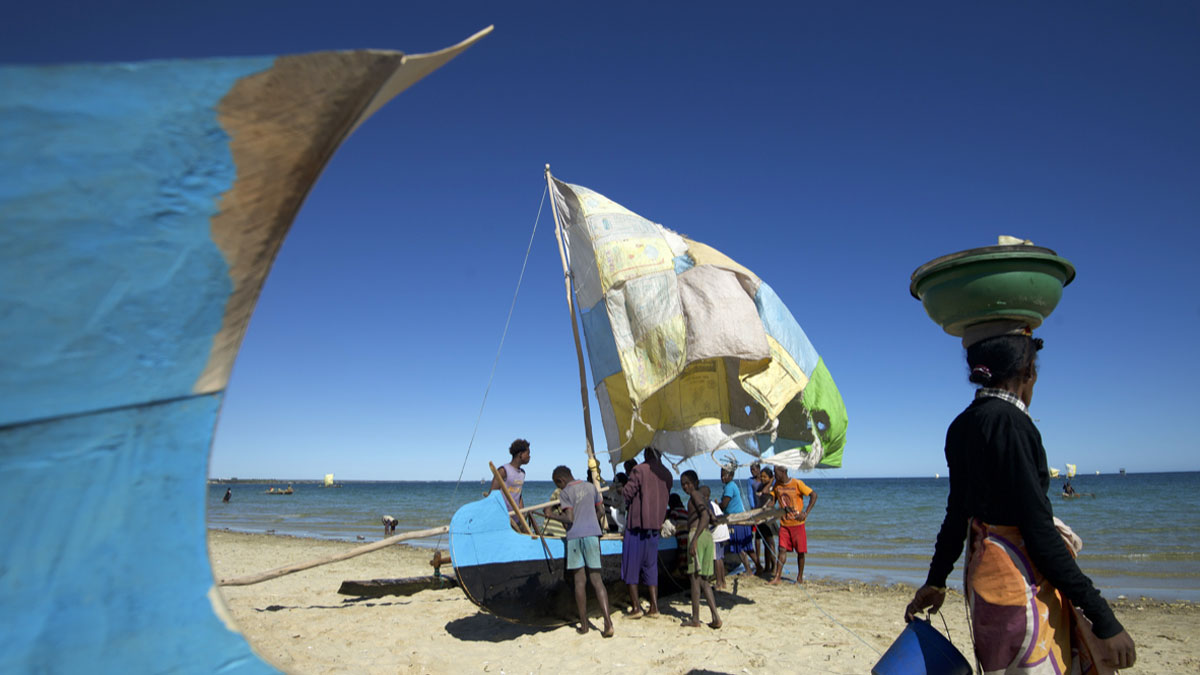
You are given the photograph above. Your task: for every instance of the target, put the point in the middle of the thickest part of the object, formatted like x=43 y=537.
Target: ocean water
x=1141 y=532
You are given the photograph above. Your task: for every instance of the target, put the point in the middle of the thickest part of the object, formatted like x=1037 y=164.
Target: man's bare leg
x=800 y=564
x=712 y=605
x=581 y=599
x=746 y=564
x=653 y=591
x=635 y=611
x=694 y=622
x=602 y=597
x=779 y=563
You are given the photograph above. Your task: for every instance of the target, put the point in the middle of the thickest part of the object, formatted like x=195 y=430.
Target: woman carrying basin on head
x=1021 y=575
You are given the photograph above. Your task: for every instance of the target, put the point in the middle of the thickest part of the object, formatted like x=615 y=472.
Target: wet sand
x=300 y=624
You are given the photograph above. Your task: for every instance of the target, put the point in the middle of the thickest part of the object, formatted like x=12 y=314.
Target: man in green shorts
x=700 y=549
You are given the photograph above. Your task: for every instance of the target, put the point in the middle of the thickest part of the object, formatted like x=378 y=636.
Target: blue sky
x=830 y=147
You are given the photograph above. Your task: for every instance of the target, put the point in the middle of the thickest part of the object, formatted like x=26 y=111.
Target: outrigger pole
x=583 y=394
x=360 y=550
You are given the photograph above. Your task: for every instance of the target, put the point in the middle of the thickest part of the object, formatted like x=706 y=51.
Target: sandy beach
x=300 y=624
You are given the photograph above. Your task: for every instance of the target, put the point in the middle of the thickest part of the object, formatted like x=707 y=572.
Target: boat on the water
x=690 y=353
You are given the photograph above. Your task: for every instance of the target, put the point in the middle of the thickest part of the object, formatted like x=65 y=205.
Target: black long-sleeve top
x=998 y=474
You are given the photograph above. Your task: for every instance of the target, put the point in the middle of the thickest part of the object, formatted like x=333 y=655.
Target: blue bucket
x=922 y=650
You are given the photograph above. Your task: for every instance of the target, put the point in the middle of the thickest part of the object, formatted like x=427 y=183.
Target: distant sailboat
x=329 y=481
x=1053 y=472
x=1070 y=471
x=937 y=475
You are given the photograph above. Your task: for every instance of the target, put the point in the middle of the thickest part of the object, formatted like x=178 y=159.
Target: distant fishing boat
x=720 y=364
x=329 y=482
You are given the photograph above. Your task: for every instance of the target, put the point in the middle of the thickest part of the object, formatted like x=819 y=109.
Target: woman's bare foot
x=652 y=614
x=635 y=614
x=774 y=582
x=716 y=624
x=582 y=630
x=691 y=623
x=607 y=632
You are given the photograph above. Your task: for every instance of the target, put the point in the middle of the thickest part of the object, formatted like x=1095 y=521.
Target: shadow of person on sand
x=487 y=628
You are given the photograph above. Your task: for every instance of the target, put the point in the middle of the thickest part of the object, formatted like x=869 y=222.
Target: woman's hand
x=1119 y=651
x=926 y=597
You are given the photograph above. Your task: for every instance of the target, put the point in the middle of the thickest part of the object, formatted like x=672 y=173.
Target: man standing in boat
x=513 y=475
x=646 y=493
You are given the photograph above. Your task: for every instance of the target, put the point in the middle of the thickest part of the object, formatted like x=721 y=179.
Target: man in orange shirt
x=790 y=493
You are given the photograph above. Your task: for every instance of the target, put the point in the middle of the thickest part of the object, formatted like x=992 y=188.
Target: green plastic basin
x=1022 y=283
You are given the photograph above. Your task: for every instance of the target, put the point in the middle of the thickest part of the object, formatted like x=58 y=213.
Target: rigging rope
x=496 y=361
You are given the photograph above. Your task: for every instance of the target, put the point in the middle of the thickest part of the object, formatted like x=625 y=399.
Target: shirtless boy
x=700 y=549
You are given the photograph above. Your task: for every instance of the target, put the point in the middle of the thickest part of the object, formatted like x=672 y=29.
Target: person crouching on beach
x=389 y=526
x=700 y=549
x=790 y=493
x=581 y=508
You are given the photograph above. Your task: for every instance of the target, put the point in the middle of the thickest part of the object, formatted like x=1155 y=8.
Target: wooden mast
x=583 y=394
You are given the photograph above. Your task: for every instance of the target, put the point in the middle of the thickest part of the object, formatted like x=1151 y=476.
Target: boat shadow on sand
x=483 y=627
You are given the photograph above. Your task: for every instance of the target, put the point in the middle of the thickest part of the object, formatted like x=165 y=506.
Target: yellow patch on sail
x=622 y=413
x=776 y=385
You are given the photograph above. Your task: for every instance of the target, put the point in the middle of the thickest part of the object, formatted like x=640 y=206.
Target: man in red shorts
x=790 y=494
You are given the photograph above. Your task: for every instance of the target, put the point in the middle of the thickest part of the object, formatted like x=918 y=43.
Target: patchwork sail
x=689 y=351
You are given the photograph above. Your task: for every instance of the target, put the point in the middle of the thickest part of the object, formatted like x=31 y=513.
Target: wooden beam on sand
x=345 y=555
x=354 y=552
